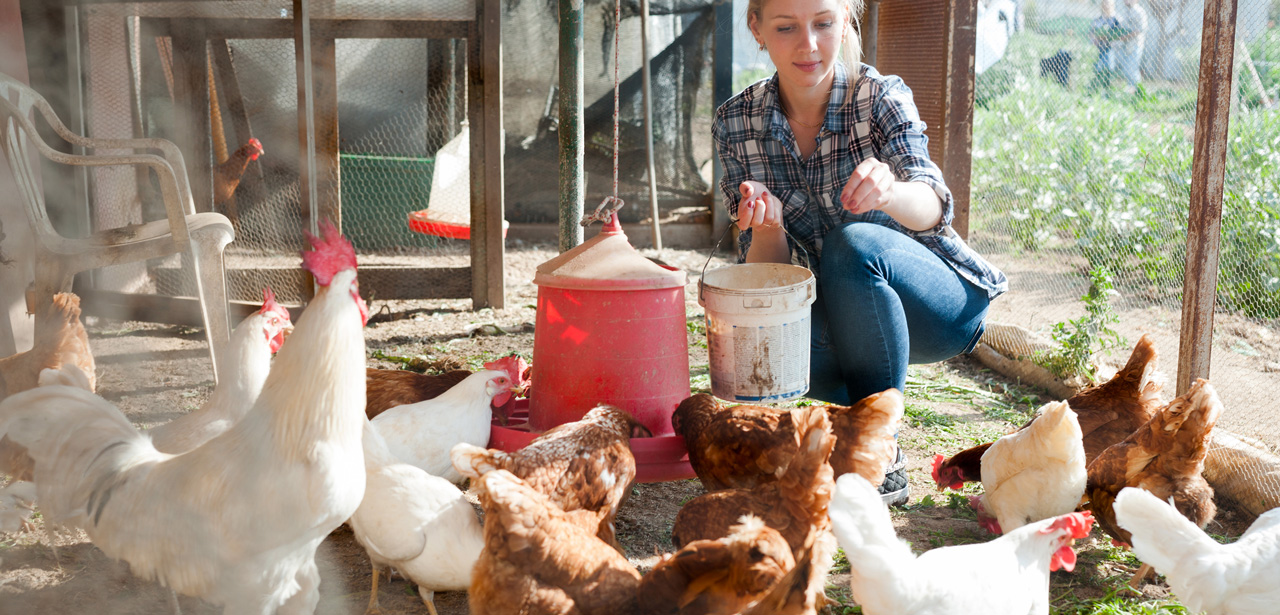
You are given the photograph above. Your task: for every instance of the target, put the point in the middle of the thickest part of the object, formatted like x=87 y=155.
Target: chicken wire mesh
x=400 y=102
x=680 y=48
x=1082 y=149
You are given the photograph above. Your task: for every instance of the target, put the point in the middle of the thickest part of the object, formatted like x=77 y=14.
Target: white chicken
x=414 y=522
x=422 y=434
x=237 y=520
x=1009 y=575
x=1034 y=473
x=1242 y=578
x=244 y=363
x=17 y=503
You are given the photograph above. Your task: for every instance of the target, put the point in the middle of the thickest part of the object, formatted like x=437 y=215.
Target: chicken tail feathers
x=76 y=470
x=474 y=461
x=1161 y=536
x=809 y=481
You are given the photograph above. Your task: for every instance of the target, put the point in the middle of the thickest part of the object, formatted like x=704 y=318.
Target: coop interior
x=431 y=134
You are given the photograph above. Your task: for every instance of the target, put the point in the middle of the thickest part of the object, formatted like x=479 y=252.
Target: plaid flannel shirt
x=754 y=141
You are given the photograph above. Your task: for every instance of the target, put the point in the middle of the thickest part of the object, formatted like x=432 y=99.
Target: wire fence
x=1082 y=150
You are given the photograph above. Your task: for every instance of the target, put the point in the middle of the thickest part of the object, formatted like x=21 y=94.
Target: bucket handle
x=716 y=247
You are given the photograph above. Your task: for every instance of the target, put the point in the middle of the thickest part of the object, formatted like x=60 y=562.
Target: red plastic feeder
x=610 y=329
x=428 y=222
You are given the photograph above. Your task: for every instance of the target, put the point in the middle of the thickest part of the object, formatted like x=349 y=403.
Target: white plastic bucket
x=758 y=320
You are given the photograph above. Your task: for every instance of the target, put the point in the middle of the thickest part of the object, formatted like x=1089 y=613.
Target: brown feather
x=387 y=388
x=59 y=339
x=1165 y=456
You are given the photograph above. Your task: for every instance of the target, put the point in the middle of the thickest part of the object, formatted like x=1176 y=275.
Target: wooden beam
x=957 y=129
x=331 y=28
x=1208 y=171
x=484 y=91
x=325 y=83
x=191 y=103
x=721 y=90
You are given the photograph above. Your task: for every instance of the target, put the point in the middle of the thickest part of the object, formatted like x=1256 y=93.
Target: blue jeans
x=1129 y=62
x=884 y=300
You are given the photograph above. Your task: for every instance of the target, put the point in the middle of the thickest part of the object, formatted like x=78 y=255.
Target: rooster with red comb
x=237 y=520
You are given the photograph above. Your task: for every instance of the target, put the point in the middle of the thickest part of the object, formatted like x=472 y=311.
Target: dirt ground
x=155 y=373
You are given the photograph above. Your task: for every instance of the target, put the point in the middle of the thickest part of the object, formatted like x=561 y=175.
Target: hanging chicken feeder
x=610 y=329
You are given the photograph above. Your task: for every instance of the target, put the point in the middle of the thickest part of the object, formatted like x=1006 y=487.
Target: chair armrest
x=168 y=149
x=170 y=188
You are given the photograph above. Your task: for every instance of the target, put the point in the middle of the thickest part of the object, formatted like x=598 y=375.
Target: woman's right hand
x=758 y=208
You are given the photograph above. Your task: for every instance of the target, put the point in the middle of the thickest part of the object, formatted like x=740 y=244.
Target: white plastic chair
x=58 y=258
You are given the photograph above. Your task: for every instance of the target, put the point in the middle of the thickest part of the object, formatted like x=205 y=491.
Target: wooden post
x=870 y=32
x=1208 y=172
x=570 y=131
x=721 y=90
x=957 y=129
x=484 y=108
x=191 y=94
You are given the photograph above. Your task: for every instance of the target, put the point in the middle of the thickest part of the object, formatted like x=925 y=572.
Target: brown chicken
x=795 y=504
x=1108 y=413
x=585 y=465
x=738 y=447
x=60 y=339
x=388 y=388
x=1165 y=456
x=226 y=176
x=539 y=559
x=801 y=590
x=718 y=577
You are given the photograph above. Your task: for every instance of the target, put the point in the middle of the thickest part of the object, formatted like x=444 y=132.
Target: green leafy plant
x=1078 y=340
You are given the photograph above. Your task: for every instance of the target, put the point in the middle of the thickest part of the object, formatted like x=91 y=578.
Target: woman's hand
x=758 y=208
x=870 y=186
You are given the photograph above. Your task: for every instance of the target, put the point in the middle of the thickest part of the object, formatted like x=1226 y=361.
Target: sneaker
x=894 y=490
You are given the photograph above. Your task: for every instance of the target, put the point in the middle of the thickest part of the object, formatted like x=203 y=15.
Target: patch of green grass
x=841 y=562
x=1113 y=603
x=700 y=378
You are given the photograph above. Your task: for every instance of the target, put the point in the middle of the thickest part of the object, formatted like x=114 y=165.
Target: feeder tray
x=658 y=459
x=423 y=221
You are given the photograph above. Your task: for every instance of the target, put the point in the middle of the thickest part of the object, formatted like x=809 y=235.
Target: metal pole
x=721 y=90
x=1208 y=171
x=648 y=121
x=306 y=102
x=571 y=129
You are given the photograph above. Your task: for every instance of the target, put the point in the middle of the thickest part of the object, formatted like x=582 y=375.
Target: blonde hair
x=851 y=48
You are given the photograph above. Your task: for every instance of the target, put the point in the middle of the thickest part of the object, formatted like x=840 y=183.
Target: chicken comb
x=257 y=147
x=515 y=366
x=937 y=465
x=269 y=304
x=329 y=253
x=1080 y=524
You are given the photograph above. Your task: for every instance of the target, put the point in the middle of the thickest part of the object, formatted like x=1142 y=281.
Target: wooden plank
x=382 y=283
x=957 y=128
x=331 y=28
x=1208 y=171
x=182 y=311
x=303 y=65
x=191 y=96
x=325 y=93
x=721 y=90
x=494 y=197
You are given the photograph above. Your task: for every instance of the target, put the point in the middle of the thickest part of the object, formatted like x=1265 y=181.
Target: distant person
x=1102 y=32
x=1133 y=23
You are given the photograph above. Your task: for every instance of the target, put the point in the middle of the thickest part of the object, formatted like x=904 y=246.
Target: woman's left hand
x=870 y=186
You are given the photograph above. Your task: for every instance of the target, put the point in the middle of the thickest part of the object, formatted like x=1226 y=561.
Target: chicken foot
x=1138 y=577
x=173 y=602
x=428 y=598
x=374 y=608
